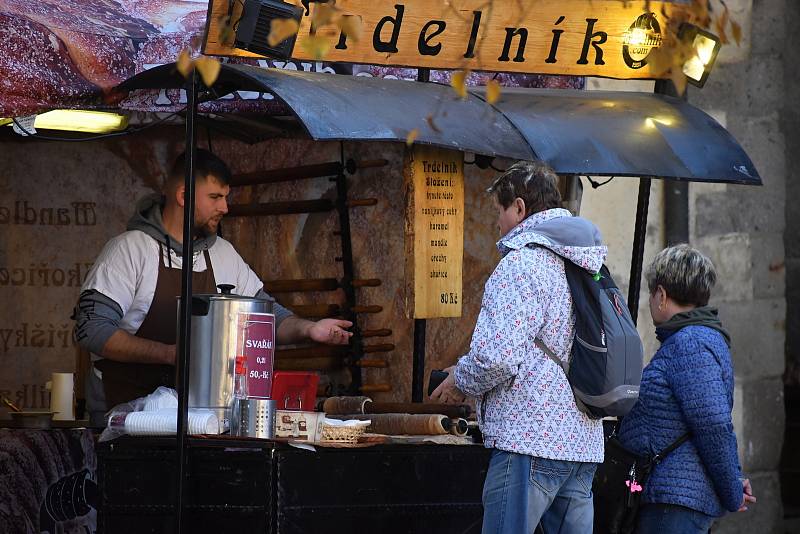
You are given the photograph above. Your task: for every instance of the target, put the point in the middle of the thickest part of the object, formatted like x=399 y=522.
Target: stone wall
x=742 y=229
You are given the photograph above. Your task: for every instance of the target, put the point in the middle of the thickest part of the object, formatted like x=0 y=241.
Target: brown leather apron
x=124 y=381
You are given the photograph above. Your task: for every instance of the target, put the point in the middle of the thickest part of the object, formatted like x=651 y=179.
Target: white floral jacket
x=525 y=404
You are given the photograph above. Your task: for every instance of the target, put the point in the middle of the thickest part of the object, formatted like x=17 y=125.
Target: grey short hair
x=685 y=273
x=532 y=181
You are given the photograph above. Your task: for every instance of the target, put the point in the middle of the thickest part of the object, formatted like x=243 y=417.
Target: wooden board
x=572 y=37
x=434 y=231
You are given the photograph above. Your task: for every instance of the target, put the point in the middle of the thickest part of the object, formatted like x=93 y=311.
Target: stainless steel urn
x=216 y=339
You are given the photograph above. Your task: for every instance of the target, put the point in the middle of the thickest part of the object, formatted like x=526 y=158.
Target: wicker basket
x=342 y=434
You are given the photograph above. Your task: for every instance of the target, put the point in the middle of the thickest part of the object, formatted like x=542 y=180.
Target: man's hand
x=330 y=331
x=747 y=495
x=447 y=392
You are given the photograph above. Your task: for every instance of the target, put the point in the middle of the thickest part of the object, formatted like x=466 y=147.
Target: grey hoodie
x=573 y=238
x=147 y=219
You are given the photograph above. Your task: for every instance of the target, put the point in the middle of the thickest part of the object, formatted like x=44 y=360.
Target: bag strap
x=664 y=452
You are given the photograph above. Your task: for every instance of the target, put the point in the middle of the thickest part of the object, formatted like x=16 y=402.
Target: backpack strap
x=552 y=355
x=564 y=367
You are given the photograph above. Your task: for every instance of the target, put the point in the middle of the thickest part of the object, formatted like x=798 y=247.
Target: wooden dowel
x=318 y=170
x=450 y=410
x=328 y=310
x=375 y=388
x=280 y=208
x=364 y=362
x=367 y=309
x=319 y=351
x=381 y=347
x=329 y=351
x=380 y=332
x=313 y=284
x=308 y=364
x=357 y=202
x=371 y=163
x=315 y=310
x=368 y=282
x=288 y=207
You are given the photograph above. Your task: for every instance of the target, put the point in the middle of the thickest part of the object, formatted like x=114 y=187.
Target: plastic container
x=295 y=390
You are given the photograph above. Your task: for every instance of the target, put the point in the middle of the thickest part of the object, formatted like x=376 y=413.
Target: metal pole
x=662 y=87
x=637 y=257
x=676 y=193
x=418 y=365
x=348 y=269
x=185 y=314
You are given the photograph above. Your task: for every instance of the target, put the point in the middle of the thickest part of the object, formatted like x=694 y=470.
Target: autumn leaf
x=280 y=30
x=323 y=15
x=492 y=91
x=699 y=9
x=184 y=63
x=351 y=26
x=432 y=124
x=459 y=83
x=209 y=69
x=721 y=23
x=227 y=32
x=736 y=29
x=679 y=80
x=315 y=46
x=412 y=135
x=659 y=61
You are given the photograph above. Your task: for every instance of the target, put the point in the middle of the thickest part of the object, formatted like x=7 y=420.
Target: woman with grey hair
x=686 y=390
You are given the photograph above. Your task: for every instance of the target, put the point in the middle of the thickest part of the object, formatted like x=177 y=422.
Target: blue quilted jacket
x=688 y=386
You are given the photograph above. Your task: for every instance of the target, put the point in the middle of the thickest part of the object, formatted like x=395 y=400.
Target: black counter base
x=259 y=486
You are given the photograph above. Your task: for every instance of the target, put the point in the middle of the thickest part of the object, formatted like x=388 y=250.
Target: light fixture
x=75 y=120
x=253 y=28
x=706 y=46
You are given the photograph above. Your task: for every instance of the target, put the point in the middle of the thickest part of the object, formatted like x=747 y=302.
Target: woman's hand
x=747 y=495
x=447 y=392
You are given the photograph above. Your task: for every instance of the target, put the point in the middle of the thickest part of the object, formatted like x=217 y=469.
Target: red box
x=295 y=390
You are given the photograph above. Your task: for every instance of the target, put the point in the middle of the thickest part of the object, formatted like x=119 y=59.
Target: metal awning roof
x=576 y=132
x=626 y=134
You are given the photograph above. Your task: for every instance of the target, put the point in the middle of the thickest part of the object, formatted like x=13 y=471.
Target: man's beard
x=209 y=227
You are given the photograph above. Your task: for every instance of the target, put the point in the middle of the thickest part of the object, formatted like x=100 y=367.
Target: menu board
x=434 y=232
x=256 y=341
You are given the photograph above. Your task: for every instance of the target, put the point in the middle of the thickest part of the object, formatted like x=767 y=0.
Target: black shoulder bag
x=619 y=483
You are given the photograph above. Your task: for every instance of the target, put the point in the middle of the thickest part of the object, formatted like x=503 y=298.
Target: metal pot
x=216 y=339
x=41 y=420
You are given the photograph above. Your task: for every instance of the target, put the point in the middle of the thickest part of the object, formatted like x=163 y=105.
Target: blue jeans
x=672 y=519
x=520 y=491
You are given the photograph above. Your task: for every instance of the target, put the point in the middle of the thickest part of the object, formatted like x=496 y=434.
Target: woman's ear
x=661 y=297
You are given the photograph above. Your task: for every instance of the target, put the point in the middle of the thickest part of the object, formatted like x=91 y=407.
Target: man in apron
x=126 y=316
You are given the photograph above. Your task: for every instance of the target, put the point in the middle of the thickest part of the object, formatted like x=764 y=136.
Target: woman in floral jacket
x=545 y=451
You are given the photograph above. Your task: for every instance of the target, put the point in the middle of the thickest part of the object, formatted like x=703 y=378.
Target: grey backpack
x=605 y=365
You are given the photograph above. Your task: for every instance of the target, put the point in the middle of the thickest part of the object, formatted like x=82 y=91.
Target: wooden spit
x=318 y=170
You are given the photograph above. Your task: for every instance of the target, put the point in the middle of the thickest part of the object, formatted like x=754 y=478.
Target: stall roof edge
x=601 y=133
